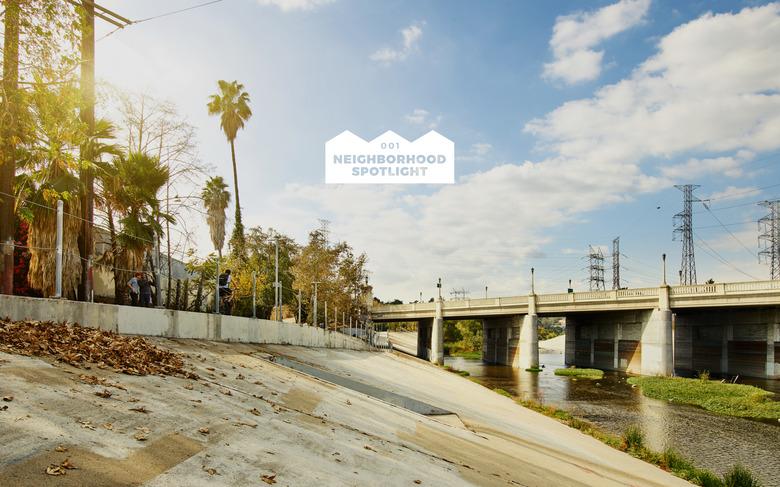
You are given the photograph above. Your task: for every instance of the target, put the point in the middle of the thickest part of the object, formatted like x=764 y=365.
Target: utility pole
x=616 y=263
x=438 y=285
x=58 y=254
x=277 y=288
x=314 y=320
x=87 y=116
x=683 y=227
x=8 y=131
x=596 y=269
x=769 y=239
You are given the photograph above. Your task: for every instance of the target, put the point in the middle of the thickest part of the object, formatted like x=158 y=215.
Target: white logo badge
x=389 y=159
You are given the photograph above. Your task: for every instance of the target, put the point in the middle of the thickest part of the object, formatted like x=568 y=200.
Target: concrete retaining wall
x=173 y=324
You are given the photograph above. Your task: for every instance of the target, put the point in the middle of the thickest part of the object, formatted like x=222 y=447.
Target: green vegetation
x=533 y=369
x=463 y=338
x=549 y=328
x=452 y=369
x=580 y=373
x=633 y=442
x=475 y=355
x=723 y=398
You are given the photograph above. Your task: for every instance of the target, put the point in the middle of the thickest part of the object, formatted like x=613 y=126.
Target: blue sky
x=572 y=121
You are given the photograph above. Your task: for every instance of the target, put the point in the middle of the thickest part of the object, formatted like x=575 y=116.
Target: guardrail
x=717 y=289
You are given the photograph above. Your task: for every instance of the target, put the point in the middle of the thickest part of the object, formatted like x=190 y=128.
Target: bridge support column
x=528 y=344
x=657 y=357
x=773 y=349
x=570 y=351
x=437 y=336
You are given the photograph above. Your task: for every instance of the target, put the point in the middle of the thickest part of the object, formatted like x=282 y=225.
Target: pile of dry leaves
x=77 y=345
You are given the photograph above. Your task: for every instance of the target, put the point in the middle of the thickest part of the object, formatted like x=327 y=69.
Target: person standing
x=145 y=288
x=135 y=289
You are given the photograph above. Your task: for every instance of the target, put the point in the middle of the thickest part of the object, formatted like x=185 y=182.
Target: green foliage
x=216 y=199
x=502 y=392
x=580 y=373
x=724 y=398
x=549 y=328
x=463 y=338
x=633 y=439
x=739 y=476
x=535 y=370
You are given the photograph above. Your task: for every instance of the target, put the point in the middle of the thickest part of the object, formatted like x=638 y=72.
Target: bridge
x=730 y=328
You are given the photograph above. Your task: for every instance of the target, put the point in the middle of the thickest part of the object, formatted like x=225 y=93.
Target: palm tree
x=215 y=200
x=133 y=182
x=232 y=106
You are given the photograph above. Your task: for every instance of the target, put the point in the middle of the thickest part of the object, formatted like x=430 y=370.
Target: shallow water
x=712 y=441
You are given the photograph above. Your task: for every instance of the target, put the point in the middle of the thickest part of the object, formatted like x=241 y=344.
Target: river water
x=712 y=441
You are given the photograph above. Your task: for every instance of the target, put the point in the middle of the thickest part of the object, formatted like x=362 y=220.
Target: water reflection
x=712 y=441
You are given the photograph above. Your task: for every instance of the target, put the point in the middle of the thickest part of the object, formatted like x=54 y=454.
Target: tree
x=216 y=199
x=232 y=106
x=136 y=200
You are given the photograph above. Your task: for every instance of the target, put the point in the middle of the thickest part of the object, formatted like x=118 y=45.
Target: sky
x=572 y=122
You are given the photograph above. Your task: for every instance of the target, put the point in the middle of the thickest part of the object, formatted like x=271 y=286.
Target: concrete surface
x=557 y=344
x=503 y=442
x=130 y=320
x=248 y=417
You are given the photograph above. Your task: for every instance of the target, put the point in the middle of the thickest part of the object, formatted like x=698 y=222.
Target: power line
x=166 y=14
x=714 y=253
x=729 y=231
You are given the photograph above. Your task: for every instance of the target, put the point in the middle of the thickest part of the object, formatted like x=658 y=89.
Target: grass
x=633 y=442
x=580 y=373
x=450 y=368
x=468 y=355
x=724 y=398
x=533 y=369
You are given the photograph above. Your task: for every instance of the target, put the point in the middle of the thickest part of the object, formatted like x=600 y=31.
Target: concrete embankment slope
x=246 y=418
x=502 y=443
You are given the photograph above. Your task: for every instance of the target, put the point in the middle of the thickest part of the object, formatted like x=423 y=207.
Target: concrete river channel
x=712 y=441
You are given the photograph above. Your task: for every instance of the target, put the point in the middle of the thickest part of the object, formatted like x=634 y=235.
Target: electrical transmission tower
x=683 y=227
x=596 y=269
x=769 y=239
x=616 y=263
x=461 y=293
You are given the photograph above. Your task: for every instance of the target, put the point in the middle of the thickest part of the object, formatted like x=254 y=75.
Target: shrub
x=633 y=439
x=739 y=476
x=580 y=373
x=704 y=375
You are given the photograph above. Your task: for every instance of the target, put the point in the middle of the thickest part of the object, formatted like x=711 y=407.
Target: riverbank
x=713 y=442
x=719 y=397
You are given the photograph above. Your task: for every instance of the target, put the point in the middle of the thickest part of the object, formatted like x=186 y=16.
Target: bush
x=739 y=476
x=633 y=439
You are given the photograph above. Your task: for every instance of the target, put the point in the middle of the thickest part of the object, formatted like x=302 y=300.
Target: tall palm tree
x=232 y=106
x=215 y=200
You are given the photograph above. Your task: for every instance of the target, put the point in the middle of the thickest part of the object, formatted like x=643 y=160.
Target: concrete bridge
x=730 y=328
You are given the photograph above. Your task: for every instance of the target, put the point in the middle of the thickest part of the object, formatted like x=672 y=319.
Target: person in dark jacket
x=145 y=287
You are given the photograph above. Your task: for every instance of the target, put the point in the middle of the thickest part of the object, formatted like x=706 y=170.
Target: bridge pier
x=437 y=336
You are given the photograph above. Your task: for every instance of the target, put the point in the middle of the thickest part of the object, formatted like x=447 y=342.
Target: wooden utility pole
x=87 y=115
x=8 y=132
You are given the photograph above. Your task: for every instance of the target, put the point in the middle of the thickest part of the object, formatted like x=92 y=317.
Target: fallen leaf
x=108 y=426
x=140 y=436
x=8 y=398
x=269 y=479
x=60 y=449
x=105 y=394
x=203 y=431
x=210 y=471
x=67 y=465
x=255 y=411
x=87 y=424
x=367 y=447
x=418 y=481
x=188 y=387
x=240 y=377
x=225 y=391
x=140 y=409
x=348 y=402
x=55 y=470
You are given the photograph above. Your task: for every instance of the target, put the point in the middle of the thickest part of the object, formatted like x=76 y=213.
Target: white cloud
x=290 y=5
x=477 y=152
x=411 y=36
x=733 y=193
x=695 y=168
x=711 y=91
x=575 y=36
x=423 y=118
